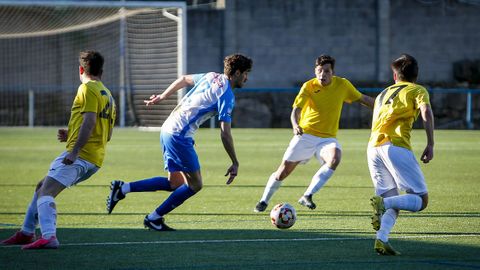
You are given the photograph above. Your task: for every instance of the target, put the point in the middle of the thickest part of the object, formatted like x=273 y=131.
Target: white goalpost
x=144 y=45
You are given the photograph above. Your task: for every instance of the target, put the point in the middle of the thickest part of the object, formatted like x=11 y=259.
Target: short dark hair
x=235 y=62
x=406 y=68
x=325 y=59
x=92 y=62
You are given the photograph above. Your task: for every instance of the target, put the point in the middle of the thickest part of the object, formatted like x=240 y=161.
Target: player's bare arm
x=428 y=124
x=295 y=119
x=112 y=123
x=88 y=124
x=366 y=101
x=182 y=82
x=227 y=140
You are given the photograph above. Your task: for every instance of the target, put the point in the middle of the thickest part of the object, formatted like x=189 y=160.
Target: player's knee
x=424 y=202
x=282 y=175
x=334 y=159
x=195 y=184
x=285 y=169
x=333 y=164
x=196 y=187
x=39 y=185
x=423 y=206
x=50 y=187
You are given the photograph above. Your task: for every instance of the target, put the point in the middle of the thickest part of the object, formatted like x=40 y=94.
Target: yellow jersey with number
x=396 y=108
x=92 y=96
x=322 y=105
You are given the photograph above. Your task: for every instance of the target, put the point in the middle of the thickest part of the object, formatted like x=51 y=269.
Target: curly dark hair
x=325 y=59
x=406 y=68
x=92 y=62
x=236 y=62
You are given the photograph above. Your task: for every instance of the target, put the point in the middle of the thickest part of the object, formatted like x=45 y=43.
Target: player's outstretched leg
x=307 y=201
x=273 y=184
x=155 y=219
x=47 y=216
x=157 y=225
x=384 y=248
x=115 y=195
x=378 y=209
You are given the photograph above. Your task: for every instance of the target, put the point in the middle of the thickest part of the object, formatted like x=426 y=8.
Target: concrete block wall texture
x=205 y=32
x=284 y=37
x=436 y=34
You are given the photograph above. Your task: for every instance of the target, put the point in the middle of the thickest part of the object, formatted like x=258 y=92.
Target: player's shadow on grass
x=243 y=249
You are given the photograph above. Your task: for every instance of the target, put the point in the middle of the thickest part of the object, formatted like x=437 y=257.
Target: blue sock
x=175 y=199
x=151 y=184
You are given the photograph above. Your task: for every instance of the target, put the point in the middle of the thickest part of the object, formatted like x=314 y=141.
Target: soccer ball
x=283 y=216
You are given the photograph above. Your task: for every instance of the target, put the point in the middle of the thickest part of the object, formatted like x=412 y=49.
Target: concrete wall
x=437 y=35
x=205 y=40
x=284 y=37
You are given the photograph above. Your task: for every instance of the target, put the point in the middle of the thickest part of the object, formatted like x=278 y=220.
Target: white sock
x=31 y=216
x=47 y=216
x=154 y=215
x=272 y=185
x=125 y=188
x=387 y=223
x=319 y=179
x=408 y=202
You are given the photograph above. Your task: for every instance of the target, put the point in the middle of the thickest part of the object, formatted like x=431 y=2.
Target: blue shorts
x=179 y=153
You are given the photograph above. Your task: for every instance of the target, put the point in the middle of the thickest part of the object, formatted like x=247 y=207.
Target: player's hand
x=232 y=171
x=70 y=158
x=62 y=135
x=153 y=99
x=427 y=154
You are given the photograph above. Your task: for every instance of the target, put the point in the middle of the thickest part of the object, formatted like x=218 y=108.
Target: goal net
x=143 y=44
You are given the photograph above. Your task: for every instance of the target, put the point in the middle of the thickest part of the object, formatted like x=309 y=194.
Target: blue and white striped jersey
x=210 y=95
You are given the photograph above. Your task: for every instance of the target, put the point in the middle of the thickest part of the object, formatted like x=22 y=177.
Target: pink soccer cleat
x=19 y=238
x=43 y=243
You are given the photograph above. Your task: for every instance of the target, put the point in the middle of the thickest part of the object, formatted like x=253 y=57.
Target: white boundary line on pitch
x=260 y=240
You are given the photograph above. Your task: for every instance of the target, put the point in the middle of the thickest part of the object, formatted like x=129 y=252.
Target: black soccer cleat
x=260 y=207
x=307 y=201
x=157 y=225
x=115 y=195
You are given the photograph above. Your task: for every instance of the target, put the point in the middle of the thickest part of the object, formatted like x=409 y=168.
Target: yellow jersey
x=322 y=105
x=92 y=96
x=396 y=108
